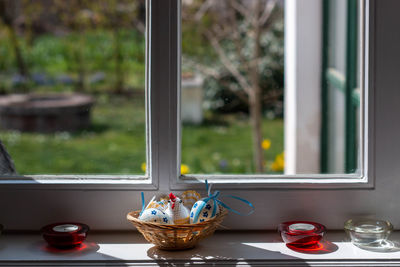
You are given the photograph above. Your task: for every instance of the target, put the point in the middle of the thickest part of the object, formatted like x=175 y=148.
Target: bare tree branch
x=208 y=71
x=202 y=68
x=203 y=9
x=241 y=9
x=269 y=7
x=228 y=64
x=237 y=40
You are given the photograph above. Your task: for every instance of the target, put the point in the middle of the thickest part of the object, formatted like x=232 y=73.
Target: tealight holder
x=366 y=233
x=301 y=234
x=65 y=235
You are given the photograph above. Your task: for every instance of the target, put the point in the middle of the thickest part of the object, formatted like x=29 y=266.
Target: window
x=241 y=55
x=341 y=87
x=73 y=87
x=232 y=87
x=88 y=200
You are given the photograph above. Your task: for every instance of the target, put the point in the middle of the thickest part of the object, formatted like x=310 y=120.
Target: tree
x=117 y=15
x=75 y=17
x=8 y=14
x=235 y=29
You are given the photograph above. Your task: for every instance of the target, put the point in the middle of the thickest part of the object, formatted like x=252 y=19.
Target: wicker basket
x=175 y=236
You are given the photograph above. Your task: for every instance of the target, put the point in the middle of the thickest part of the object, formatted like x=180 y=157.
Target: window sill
x=225 y=248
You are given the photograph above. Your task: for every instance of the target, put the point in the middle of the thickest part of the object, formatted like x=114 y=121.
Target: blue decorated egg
x=156 y=216
x=203 y=210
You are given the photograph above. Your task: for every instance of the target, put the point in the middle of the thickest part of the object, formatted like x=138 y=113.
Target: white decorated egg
x=156 y=216
x=204 y=210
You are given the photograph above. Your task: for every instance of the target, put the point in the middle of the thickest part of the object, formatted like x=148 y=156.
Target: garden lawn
x=115 y=144
x=227 y=147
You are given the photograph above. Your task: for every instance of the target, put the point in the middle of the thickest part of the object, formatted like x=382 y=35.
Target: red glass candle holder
x=301 y=234
x=65 y=235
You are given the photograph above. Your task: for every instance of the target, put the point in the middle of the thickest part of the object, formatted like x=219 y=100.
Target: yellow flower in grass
x=279 y=164
x=184 y=169
x=280 y=159
x=143 y=166
x=266 y=144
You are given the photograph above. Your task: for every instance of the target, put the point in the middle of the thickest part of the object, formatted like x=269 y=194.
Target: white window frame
x=330 y=199
x=303 y=59
x=296 y=28
x=148 y=181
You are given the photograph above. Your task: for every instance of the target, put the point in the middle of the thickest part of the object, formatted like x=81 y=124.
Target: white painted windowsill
x=223 y=248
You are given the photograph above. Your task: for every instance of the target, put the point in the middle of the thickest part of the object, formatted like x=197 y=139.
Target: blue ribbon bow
x=216 y=201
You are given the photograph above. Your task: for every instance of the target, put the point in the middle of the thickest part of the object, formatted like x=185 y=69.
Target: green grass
x=227 y=147
x=93 y=51
x=115 y=144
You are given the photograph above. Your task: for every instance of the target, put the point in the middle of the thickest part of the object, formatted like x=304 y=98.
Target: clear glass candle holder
x=368 y=233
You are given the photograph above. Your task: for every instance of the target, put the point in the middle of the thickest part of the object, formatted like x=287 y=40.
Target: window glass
x=234 y=90
x=341 y=98
x=72 y=84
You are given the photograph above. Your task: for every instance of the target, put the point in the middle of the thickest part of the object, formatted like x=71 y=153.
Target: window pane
x=243 y=83
x=73 y=86
x=342 y=99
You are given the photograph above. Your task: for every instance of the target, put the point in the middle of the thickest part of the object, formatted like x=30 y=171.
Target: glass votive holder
x=65 y=235
x=368 y=233
x=301 y=233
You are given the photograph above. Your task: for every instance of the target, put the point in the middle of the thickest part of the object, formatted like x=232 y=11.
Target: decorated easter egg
x=160 y=205
x=190 y=197
x=177 y=211
x=204 y=210
x=156 y=216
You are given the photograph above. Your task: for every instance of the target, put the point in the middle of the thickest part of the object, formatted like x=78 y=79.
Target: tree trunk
x=255 y=98
x=256 y=118
x=22 y=69
x=7 y=16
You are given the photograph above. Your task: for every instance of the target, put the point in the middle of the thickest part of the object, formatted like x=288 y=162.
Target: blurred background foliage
x=98 y=48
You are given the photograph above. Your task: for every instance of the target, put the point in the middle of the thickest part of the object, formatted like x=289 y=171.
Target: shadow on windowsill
x=205 y=255
x=323 y=247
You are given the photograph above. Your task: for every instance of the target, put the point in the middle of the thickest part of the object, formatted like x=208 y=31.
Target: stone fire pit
x=45 y=113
